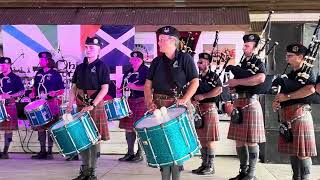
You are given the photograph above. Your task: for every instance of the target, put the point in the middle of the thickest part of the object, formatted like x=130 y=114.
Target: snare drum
x=38 y=113
x=76 y=136
x=167 y=143
x=3 y=111
x=117 y=108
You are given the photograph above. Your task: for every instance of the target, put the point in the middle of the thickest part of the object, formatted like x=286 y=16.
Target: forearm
x=148 y=91
x=318 y=88
x=302 y=92
x=253 y=80
x=213 y=93
x=72 y=94
x=20 y=93
x=194 y=84
x=137 y=87
x=103 y=92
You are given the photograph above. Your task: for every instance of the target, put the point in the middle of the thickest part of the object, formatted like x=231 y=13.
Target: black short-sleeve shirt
x=138 y=78
x=91 y=76
x=167 y=74
x=247 y=66
x=52 y=81
x=208 y=82
x=295 y=85
x=12 y=83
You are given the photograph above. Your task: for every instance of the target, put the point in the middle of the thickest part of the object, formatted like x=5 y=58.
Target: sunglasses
x=199 y=62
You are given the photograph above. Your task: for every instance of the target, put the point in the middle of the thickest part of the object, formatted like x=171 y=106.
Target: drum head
x=35 y=104
x=151 y=121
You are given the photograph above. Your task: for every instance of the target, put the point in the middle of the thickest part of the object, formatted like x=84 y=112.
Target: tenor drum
x=170 y=142
x=117 y=108
x=38 y=113
x=75 y=136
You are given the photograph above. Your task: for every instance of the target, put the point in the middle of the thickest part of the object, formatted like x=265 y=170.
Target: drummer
x=136 y=78
x=48 y=85
x=11 y=87
x=90 y=84
x=167 y=76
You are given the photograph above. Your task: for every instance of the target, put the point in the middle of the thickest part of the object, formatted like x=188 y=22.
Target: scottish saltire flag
x=118 y=43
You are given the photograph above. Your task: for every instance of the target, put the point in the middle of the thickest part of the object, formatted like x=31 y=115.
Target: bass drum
x=21 y=103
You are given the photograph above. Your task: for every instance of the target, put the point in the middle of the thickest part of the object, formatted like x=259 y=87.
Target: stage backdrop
x=22 y=43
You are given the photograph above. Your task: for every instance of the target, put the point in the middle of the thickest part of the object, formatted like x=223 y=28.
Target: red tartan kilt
x=98 y=115
x=12 y=124
x=210 y=131
x=138 y=108
x=159 y=101
x=304 y=143
x=251 y=130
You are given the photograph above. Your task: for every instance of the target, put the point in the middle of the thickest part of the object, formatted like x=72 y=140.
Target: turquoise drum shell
x=157 y=147
x=76 y=136
x=3 y=112
x=117 y=108
x=39 y=116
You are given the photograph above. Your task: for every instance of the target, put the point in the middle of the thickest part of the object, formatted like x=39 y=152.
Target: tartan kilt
x=251 y=130
x=98 y=115
x=12 y=124
x=210 y=131
x=138 y=108
x=164 y=100
x=304 y=143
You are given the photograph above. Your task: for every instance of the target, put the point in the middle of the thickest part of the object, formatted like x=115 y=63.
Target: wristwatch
x=288 y=96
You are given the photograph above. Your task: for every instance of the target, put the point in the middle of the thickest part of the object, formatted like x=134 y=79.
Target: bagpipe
x=285 y=85
x=252 y=67
x=187 y=45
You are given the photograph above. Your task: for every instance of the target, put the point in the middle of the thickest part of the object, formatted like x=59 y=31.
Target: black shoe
x=73 y=158
x=127 y=157
x=49 y=156
x=207 y=171
x=4 y=156
x=196 y=171
x=83 y=174
x=40 y=155
x=248 y=177
x=240 y=176
x=137 y=158
x=92 y=177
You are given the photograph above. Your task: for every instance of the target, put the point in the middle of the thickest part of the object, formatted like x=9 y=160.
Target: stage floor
x=20 y=166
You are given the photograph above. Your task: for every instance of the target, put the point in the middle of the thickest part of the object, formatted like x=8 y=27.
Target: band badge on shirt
x=94 y=69
x=48 y=77
x=175 y=64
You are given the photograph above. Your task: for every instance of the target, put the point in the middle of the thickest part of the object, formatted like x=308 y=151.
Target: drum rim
x=183 y=159
x=71 y=123
x=111 y=100
x=153 y=128
x=136 y=123
x=38 y=108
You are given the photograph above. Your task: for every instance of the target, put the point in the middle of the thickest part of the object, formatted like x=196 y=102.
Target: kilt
x=164 y=100
x=12 y=124
x=251 y=130
x=98 y=115
x=138 y=109
x=210 y=131
x=304 y=143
